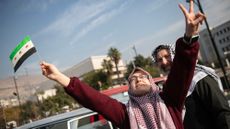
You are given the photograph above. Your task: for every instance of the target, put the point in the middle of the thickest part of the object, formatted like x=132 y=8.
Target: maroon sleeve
x=90 y=98
x=181 y=74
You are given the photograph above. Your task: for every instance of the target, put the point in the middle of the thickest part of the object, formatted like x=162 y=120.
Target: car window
x=92 y=121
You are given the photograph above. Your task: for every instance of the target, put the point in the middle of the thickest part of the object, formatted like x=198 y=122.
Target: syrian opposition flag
x=22 y=52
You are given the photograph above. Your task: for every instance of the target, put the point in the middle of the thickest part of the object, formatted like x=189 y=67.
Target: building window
x=228 y=28
x=220 y=41
x=221 y=32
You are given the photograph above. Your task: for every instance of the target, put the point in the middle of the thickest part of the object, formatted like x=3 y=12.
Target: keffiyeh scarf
x=149 y=111
x=201 y=72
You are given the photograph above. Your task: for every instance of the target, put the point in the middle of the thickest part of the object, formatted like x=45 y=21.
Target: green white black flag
x=22 y=52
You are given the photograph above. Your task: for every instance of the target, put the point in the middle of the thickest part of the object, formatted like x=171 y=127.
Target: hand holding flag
x=51 y=72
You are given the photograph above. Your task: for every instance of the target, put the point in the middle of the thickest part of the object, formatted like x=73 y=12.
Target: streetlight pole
x=135 y=50
x=214 y=44
x=19 y=101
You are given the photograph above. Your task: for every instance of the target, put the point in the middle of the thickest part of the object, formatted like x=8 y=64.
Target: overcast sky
x=66 y=32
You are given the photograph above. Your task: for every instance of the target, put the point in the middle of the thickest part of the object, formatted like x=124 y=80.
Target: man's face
x=139 y=83
x=164 y=60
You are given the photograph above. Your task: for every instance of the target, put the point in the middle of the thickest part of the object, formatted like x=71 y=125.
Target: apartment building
x=94 y=63
x=221 y=35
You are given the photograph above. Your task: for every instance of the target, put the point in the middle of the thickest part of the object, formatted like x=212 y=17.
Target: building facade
x=221 y=35
x=94 y=63
x=9 y=102
x=46 y=94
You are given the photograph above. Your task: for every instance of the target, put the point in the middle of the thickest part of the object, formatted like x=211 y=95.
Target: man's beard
x=166 y=70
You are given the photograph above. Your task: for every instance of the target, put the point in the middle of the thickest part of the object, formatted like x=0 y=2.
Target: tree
x=97 y=79
x=30 y=111
x=54 y=105
x=145 y=63
x=140 y=61
x=13 y=114
x=62 y=98
x=49 y=107
x=108 y=68
x=115 y=56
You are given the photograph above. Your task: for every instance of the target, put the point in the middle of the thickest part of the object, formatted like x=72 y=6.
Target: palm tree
x=115 y=56
x=108 y=67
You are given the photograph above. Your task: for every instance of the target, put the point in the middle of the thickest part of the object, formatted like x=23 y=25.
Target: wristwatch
x=190 y=40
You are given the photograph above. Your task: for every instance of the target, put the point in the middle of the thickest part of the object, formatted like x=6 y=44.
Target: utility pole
x=18 y=96
x=135 y=50
x=131 y=55
x=213 y=44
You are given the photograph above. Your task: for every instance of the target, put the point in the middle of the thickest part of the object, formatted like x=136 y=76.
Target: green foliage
x=140 y=61
x=12 y=113
x=108 y=69
x=62 y=97
x=145 y=63
x=54 y=104
x=49 y=105
x=35 y=110
x=115 y=56
x=97 y=79
x=30 y=111
x=153 y=70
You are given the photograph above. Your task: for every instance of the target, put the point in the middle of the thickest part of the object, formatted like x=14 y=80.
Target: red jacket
x=173 y=94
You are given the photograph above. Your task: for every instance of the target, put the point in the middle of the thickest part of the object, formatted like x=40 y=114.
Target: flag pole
x=39 y=56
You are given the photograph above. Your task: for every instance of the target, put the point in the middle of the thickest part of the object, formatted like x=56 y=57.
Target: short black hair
x=159 y=48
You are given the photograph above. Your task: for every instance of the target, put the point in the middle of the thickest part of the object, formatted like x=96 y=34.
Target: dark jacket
x=207 y=107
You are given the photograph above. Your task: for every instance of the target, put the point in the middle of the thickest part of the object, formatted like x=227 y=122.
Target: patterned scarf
x=149 y=111
x=200 y=72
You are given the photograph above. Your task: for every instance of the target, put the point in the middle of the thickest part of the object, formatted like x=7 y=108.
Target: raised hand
x=51 y=72
x=192 y=20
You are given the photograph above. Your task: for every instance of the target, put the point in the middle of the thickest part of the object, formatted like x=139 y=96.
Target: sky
x=65 y=32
